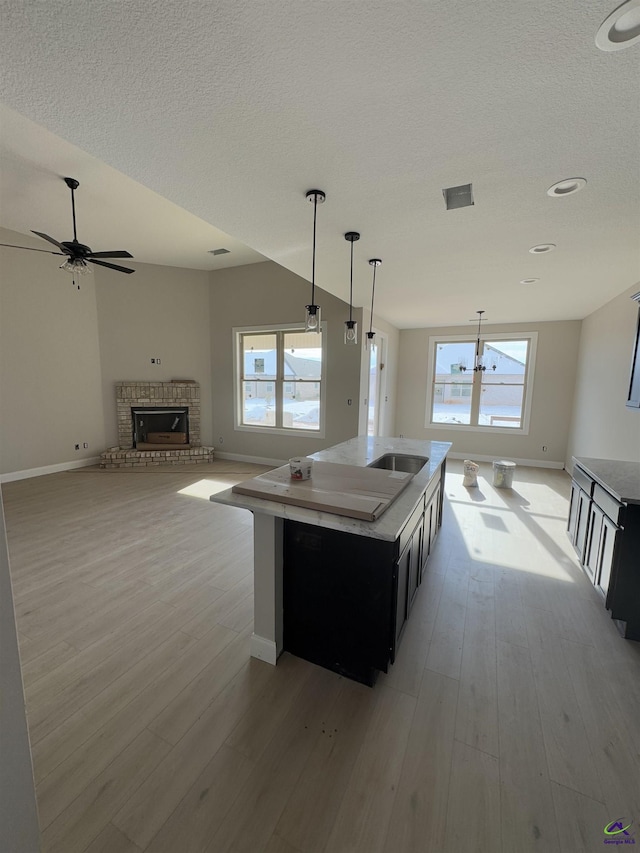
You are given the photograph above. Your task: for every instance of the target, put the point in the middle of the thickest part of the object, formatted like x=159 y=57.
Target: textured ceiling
x=233 y=110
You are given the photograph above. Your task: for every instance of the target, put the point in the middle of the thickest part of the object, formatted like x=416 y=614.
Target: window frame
x=434 y=340
x=279 y=330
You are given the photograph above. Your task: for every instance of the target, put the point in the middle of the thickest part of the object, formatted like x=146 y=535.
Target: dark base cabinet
x=347 y=598
x=606 y=535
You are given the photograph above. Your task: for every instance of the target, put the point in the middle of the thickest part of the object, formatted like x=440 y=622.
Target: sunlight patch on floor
x=521 y=528
x=205 y=488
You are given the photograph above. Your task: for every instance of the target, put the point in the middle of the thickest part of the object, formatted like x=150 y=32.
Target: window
x=495 y=399
x=279 y=380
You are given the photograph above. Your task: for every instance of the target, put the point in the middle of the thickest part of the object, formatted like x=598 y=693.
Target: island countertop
x=360 y=451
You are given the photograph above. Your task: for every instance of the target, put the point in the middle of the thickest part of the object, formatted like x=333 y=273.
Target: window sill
x=473 y=428
x=306 y=433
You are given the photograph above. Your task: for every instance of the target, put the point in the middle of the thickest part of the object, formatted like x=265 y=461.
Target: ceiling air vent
x=219 y=251
x=461 y=196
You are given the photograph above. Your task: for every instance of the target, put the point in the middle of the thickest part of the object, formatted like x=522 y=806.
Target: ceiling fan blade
x=30 y=249
x=110 y=266
x=51 y=240
x=120 y=253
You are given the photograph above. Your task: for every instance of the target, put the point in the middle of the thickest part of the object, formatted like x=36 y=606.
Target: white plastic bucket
x=503 y=474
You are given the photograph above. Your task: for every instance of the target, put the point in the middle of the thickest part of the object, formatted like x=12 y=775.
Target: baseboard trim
x=263 y=649
x=48 y=469
x=527 y=463
x=256 y=460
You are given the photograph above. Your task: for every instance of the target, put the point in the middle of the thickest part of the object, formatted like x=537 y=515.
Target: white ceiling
x=231 y=111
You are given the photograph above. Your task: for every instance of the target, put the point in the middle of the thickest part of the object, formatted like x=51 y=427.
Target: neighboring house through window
x=495 y=399
x=279 y=380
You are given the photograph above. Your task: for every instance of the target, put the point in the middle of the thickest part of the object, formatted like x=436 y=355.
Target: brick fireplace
x=183 y=395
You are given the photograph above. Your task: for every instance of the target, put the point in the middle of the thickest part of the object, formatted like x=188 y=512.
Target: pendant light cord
x=351 y=284
x=313 y=262
x=373 y=290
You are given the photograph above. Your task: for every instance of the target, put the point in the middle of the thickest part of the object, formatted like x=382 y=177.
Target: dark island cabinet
x=606 y=535
x=347 y=598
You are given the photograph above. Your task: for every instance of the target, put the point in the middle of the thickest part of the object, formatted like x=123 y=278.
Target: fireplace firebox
x=155 y=427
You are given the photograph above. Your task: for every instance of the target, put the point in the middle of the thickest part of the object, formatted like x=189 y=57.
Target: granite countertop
x=358 y=451
x=620 y=478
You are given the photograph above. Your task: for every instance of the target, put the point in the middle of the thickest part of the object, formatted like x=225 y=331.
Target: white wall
x=553 y=390
x=158 y=312
x=49 y=361
x=602 y=426
x=263 y=294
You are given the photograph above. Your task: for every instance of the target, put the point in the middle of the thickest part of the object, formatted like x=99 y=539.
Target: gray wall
x=158 y=312
x=49 y=361
x=602 y=426
x=552 y=401
x=18 y=816
x=263 y=294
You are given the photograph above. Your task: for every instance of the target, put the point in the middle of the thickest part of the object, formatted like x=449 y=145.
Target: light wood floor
x=510 y=722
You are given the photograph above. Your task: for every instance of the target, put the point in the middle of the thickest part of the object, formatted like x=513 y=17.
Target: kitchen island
x=347 y=585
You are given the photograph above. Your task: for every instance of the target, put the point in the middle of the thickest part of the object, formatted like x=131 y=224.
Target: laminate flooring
x=510 y=722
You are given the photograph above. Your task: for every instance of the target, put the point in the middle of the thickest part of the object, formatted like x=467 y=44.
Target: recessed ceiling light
x=542 y=248
x=621 y=28
x=529 y=280
x=566 y=187
x=219 y=251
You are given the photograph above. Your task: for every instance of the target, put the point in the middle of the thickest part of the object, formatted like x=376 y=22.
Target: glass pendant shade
x=312 y=318
x=351 y=332
x=76 y=266
x=370 y=337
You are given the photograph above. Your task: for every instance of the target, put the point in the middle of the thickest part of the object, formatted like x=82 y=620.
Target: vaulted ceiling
x=193 y=126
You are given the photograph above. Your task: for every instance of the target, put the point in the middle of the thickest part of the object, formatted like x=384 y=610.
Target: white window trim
x=236 y=333
x=529 y=379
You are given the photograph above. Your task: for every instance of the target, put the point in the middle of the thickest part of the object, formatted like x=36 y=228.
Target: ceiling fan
x=79 y=255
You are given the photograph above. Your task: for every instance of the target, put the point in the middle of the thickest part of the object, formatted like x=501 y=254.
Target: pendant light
x=375 y=263
x=350 y=326
x=312 y=318
x=478 y=366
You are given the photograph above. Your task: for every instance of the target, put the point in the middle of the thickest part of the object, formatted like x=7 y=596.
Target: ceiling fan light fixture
x=76 y=266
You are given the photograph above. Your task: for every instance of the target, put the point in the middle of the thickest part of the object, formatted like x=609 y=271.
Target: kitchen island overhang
x=270 y=517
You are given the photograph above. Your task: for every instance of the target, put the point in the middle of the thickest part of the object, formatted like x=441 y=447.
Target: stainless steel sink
x=400 y=462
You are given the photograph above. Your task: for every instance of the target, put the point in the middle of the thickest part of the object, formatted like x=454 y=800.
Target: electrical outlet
x=544 y=448
x=158 y=361
x=221 y=439
x=85 y=445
